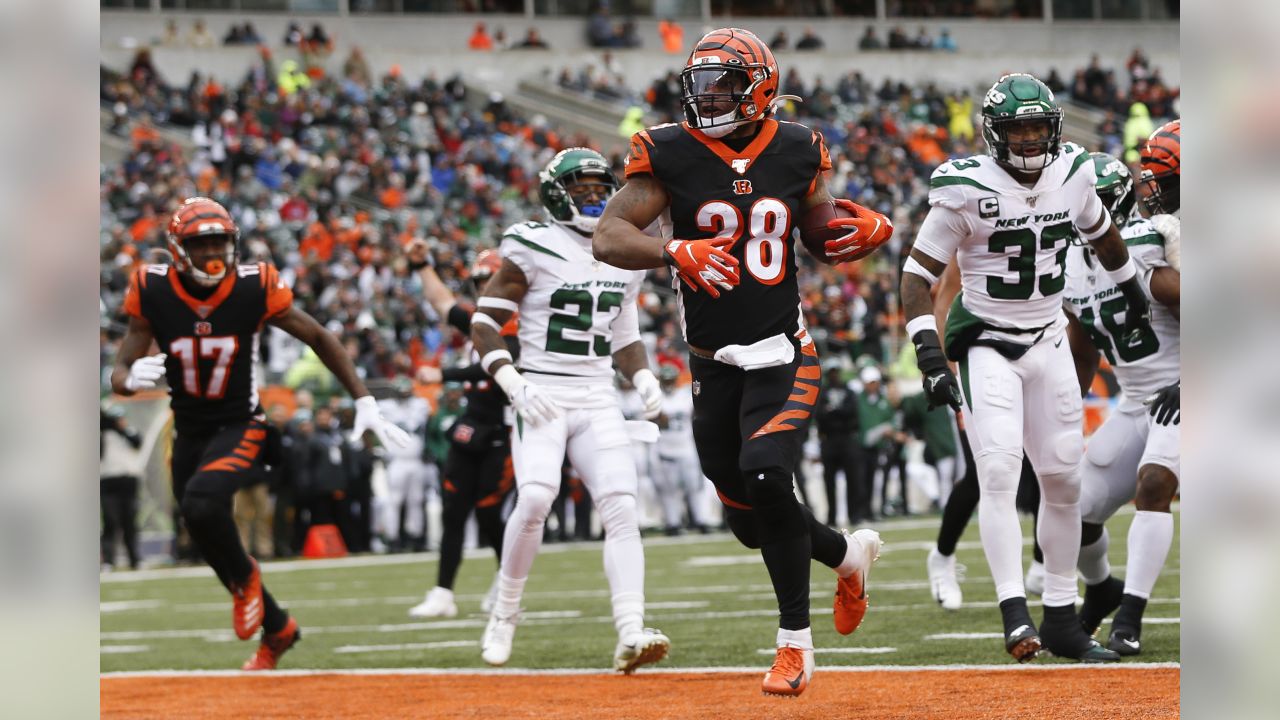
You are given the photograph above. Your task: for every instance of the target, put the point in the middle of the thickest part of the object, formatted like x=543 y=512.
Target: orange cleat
x=273 y=646
x=246 y=613
x=790 y=674
x=851 y=591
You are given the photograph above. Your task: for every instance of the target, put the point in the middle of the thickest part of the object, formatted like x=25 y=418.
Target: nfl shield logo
x=204 y=328
x=697 y=388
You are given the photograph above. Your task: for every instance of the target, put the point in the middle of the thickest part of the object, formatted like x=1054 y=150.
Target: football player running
x=1135 y=454
x=1009 y=218
x=205 y=312
x=732 y=183
x=578 y=319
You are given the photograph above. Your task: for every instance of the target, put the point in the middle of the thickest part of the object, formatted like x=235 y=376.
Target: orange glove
x=867 y=231
x=703 y=264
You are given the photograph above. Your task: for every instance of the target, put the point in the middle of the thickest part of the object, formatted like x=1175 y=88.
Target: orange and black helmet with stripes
x=200 y=217
x=1162 y=168
x=730 y=79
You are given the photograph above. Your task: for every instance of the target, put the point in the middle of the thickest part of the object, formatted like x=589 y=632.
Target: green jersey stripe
x=533 y=246
x=1150 y=239
x=945 y=181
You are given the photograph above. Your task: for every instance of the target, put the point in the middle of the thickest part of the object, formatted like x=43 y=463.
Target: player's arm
x=632 y=360
x=329 y=349
x=134 y=369
x=1083 y=352
x=620 y=240
x=433 y=289
x=935 y=245
x=499 y=300
x=1112 y=253
x=1166 y=288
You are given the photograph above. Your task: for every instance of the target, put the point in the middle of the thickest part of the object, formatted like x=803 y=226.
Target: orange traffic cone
x=324 y=541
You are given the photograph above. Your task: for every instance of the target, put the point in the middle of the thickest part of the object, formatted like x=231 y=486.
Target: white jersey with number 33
x=1010 y=241
x=577 y=310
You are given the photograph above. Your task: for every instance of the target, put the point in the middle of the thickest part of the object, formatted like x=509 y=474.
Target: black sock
x=961 y=503
x=1129 y=616
x=788 y=564
x=274 y=618
x=827 y=546
x=1062 y=633
x=453 y=523
x=1014 y=613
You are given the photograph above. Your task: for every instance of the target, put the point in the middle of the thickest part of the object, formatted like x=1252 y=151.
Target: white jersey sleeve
x=519 y=247
x=941 y=233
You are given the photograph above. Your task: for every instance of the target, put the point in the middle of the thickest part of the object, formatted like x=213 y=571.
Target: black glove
x=940 y=384
x=1166 y=404
x=1137 y=318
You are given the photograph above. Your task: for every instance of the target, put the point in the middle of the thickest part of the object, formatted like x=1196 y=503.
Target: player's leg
x=1150 y=535
x=1109 y=477
x=538 y=454
x=1029 y=502
x=497 y=480
x=1054 y=441
x=993 y=418
x=457 y=492
x=397 y=479
x=944 y=582
x=415 y=503
x=666 y=480
x=600 y=450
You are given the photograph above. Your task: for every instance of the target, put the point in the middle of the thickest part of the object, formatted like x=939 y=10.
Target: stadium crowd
x=330 y=177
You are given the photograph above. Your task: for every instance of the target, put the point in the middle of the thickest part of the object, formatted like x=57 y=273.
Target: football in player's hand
x=814 y=232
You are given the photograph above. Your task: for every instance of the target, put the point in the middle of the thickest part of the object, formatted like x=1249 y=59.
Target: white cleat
x=1034 y=581
x=439 y=603
x=943 y=581
x=643 y=648
x=495 y=645
x=490 y=597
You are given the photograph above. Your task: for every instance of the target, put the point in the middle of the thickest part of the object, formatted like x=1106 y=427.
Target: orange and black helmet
x=1162 y=168
x=730 y=79
x=484 y=266
x=200 y=217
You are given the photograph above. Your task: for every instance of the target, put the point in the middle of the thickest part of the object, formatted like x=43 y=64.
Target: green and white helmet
x=569 y=167
x=1019 y=98
x=1115 y=187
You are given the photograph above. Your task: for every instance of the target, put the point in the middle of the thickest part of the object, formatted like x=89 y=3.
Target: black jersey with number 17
x=754 y=195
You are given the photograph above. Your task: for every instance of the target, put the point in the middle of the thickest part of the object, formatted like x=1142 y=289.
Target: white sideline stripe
x=1010 y=667
x=677 y=605
x=127 y=605
x=123 y=649
x=1155 y=621
x=406 y=646
x=839 y=651
x=997 y=636
x=553 y=617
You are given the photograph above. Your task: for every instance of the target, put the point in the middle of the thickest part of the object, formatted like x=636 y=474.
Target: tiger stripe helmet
x=201 y=217
x=1162 y=168
x=730 y=79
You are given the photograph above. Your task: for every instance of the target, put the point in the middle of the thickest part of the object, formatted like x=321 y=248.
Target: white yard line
x=392 y=672
x=839 y=651
x=347 y=649
x=122 y=649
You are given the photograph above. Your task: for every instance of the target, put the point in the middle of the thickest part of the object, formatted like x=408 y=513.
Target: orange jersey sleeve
x=638 y=160
x=133 y=296
x=279 y=295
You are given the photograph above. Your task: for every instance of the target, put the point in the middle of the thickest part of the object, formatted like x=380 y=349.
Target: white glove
x=144 y=372
x=646 y=384
x=527 y=398
x=369 y=418
x=1170 y=226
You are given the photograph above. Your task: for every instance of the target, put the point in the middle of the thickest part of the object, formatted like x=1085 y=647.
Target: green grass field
x=709 y=594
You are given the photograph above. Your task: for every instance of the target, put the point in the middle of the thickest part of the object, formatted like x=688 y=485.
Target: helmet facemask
x=1024 y=155
x=717 y=97
x=584 y=192
x=1162 y=192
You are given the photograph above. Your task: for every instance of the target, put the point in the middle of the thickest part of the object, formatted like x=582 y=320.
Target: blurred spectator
x=837 y=425
x=1112 y=134
x=293 y=36
x=480 y=39
x=234 y=35
x=1054 y=81
x=960 y=117
x=252 y=511
x=809 y=41
x=532 y=40
x=869 y=40
x=1136 y=131
x=600 y=32
x=291 y=78
x=282 y=481
x=632 y=122
x=945 y=43
x=317 y=41
x=875 y=423
x=500 y=39
x=898 y=39
x=200 y=37
x=172 y=36
x=355 y=507
x=119 y=469
x=1138 y=66
x=672 y=36
x=922 y=41
x=779 y=41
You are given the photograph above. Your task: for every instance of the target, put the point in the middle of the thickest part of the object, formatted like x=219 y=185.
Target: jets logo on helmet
x=1114 y=188
x=1162 y=168
x=205 y=223
x=575 y=187
x=1021 y=101
x=730 y=79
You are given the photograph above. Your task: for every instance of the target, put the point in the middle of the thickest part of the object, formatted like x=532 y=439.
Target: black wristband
x=929 y=354
x=416 y=266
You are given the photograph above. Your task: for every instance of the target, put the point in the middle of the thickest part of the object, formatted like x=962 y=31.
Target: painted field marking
x=346 y=649
x=128 y=605
x=122 y=649
x=1008 y=667
x=839 y=651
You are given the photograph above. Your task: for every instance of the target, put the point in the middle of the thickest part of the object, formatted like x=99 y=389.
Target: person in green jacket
x=875 y=422
x=936 y=427
x=436 y=445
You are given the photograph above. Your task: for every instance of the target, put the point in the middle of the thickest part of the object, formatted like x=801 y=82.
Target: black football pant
x=749 y=428
x=963 y=501
x=119 y=495
x=479 y=480
x=207 y=472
